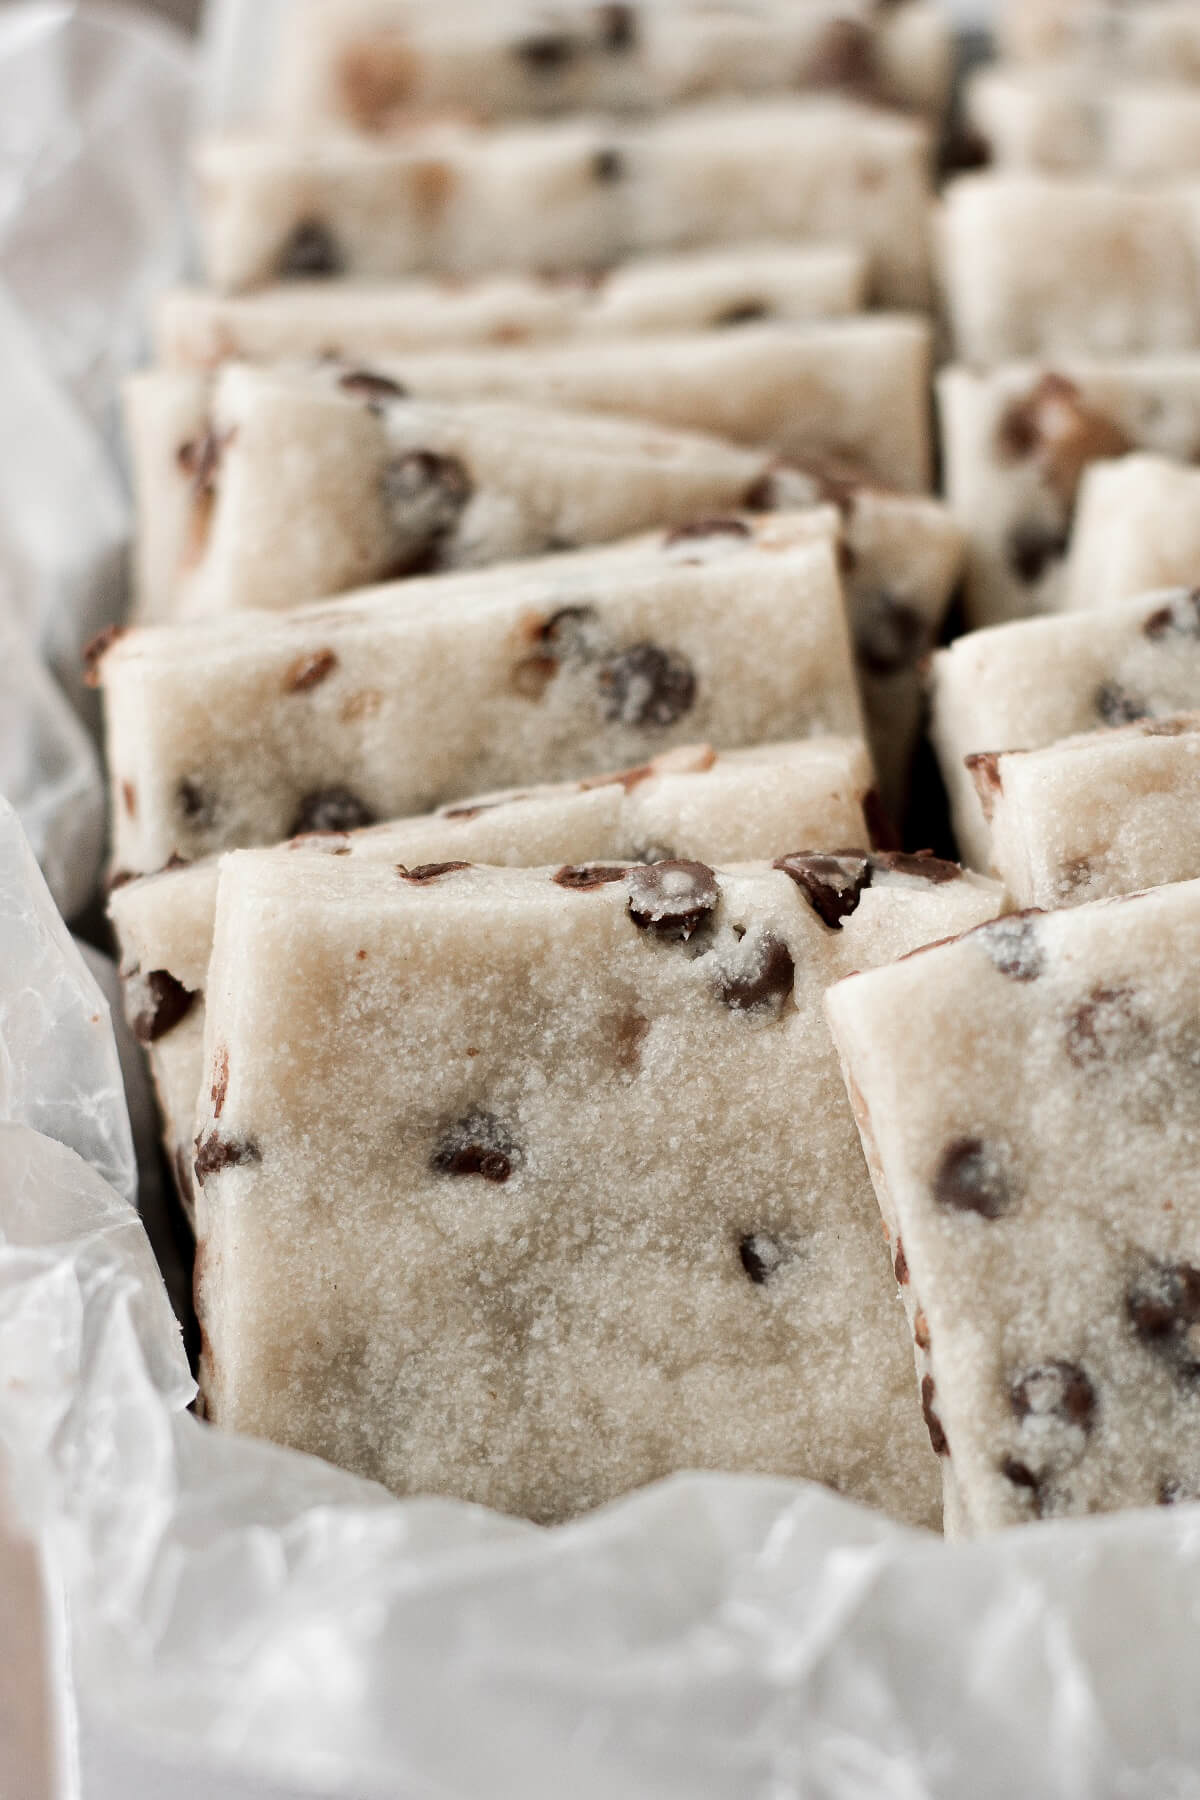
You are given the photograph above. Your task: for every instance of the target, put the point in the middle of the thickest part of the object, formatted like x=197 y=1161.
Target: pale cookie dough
x=1028 y=1100
x=1159 y=38
x=1106 y=813
x=255 y=727
x=697 y=290
x=580 y=194
x=602 y=1214
x=1026 y=685
x=1137 y=528
x=377 y=65
x=690 y=803
x=1065 y=121
x=1037 y=265
x=283 y=484
x=1016 y=444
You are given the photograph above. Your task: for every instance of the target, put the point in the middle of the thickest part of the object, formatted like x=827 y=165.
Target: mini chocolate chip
x=832 y=885
x=888 y=635
x=200 y=459
x=1055 y=1390
x=1031 y=548
x=97 y=650
x=162 y=1003
x=1181 y=618
x=1013 y=945
x=971 y=1179
x=424 y=873
x=672 y=899
x=215 y=1153
x=746 y=312
x=984 y=766
x=129 y=798
x=765 y=979
x=571 y=634
x=921 y=1337
x=476 y=1145
x=618 y=27
x=1020 y=1474
x=546 y=53
x=582 y=878
x=310 y=250
x=646 y=685
x=1054 y=424
x=608 y=165
x=1163 y=1304
x=220 y=1082
x=331 y=809
x=1115 y=705
x=933 y=1424
x=901 y=1264
x=309 y=671
x=920 y=863
x=1104 y=1026
x=194 y=803
x=425 y=495
x=761 y=1256
x=377 y=390
x=706 y=528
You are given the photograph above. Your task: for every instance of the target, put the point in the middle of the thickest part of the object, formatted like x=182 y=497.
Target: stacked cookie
x=535 y=579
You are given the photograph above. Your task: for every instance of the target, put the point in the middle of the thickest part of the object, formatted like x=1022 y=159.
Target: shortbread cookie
x=628 y=1227
x=690 y=803
x=1027 y=1098
x=580 y=194
x=1137 y=528
x=1110 y=812
x=1158 y=38
x=1017 y=442
x=1034 y=265
x=254 y=727
x=1064 y=121
x=1026 y=685
x=697 y=290
x=375 y=67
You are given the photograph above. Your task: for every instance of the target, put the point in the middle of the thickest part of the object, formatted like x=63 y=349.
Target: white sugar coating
x=572 y=194
x=690 y=803
x=690 y=290
x=1029 y=684
x=1155 y=38
x=252 y=727
x=1028 y=1095
x=374 y=67
x=1110 y=812
x=1066 y=121
x=1137 y=527
x=1017 y=441
x=597 y=1218
x=1039 y=265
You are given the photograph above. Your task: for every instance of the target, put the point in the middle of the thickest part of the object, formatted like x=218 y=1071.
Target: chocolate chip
x=922 y=864
x=832 y=885
x=764 y=977
x=746 y=312
x=1054 y=424
x=97 y=650
x=1031 y=548
x=608 y=165
x=129 y=798
x=546 y=53
x=1105 y=1027
x=646 y=685
x=161 y=1003
x=900 y=1264
x=194 y=803
x=424 y=494
x=761 y=1256
x=672 y=899
x=1115 y=705
x=476 y=1145
x=424 y=873
x=1020 y=1474
x=933 y=1424
x=572 y=635
x=984 y=766
x=971 y=1179
x=1163 y=1304
x=618 y=28
x=1055 y=1390
x=216 y=1153
x=582 y=878
x=220 y=1082
x=309 y=671
x=706 y=528
x=1014 y=946
x=888 y=635
x=1181 y=618
x=200 y=459
x=331 y=809
x=311 y=250
x=377 y=390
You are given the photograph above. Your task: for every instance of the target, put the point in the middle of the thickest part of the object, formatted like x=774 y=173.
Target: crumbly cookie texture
x=1156 y=38
x=1137 y=528
x=1038 y=265
x=1018 y=441
x=1106 y=813
x=375 y=67
x=568 y=195
x=1027 y=685
x=1039 y=1180
x=254 y=727
x=602 y=1213
x=1066 y=121
x=691 y=803
x=698 y=290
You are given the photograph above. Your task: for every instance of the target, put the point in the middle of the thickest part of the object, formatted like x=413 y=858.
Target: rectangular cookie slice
x=1106 y=813
x=689 y=803
x=1017 y=441
x=1029 y=684
x=378 y=67
x=1136 y=528
x=1027 y=1098
x=254 y=727
x=1041 y=265
x=698 y=290
x=570 y=195
x=1066 y=121
x=1157 y=38
x=602 y=1214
